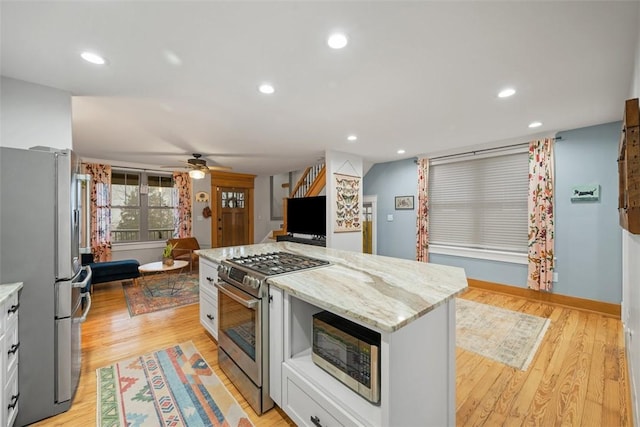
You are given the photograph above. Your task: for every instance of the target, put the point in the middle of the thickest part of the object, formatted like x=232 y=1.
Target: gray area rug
x=503 y=335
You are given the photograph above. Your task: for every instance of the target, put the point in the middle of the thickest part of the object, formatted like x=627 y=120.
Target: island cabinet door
x=276 y=343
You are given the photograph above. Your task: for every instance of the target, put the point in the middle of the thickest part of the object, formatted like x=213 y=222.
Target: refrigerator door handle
x=86 y=280
x=83 y=318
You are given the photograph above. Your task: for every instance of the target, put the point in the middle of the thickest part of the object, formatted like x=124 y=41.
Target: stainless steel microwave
x=348 y=351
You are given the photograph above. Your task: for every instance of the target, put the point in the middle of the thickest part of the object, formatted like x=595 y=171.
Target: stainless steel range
x=243 y=328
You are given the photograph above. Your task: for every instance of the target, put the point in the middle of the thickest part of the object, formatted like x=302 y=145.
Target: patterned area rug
x=503 y=335
x=171 y=387
x=153 y=293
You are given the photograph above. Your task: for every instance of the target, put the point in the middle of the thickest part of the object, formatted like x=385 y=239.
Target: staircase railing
x=310 y=183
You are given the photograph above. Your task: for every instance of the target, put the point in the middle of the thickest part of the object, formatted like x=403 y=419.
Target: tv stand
x=303 y=240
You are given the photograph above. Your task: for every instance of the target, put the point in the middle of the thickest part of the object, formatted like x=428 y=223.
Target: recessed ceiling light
x=505 y=93
x=401 y=151
x=352 y=138
x=337 y=41
x=266 y=88
x=94 y=58
x=535 y=124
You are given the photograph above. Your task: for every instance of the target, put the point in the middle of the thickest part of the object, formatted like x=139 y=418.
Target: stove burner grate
x=277 y=263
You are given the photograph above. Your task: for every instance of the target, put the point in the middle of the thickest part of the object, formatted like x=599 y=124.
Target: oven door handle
x=234 y=295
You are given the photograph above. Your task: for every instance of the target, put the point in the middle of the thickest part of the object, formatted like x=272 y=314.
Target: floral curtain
x=182 y=205
x=422 y=220
x=541 y=228
x=100 y=220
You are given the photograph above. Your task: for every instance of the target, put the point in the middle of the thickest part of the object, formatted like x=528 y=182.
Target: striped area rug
x=170 y=387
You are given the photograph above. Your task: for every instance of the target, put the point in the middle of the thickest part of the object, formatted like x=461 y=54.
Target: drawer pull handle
x=316 y=421
x=14 y=401
x=13 y=308
x=210 y=317
x=209 y=279
x=14 y=348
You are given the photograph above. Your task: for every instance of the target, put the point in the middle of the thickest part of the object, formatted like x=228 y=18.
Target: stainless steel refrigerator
x=39 y=246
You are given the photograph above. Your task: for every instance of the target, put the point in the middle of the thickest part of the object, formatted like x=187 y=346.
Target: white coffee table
x=173 y=273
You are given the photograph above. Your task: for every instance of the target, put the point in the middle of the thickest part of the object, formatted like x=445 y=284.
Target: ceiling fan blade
x=185 y=166
x=219 y=168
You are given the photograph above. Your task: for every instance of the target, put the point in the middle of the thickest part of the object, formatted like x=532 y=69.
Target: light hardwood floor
x=578 y=377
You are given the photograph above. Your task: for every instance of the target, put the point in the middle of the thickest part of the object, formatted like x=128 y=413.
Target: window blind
x=480 y=203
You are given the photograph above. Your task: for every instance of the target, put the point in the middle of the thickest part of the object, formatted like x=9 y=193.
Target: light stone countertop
x=7 y=289
x=383 y=292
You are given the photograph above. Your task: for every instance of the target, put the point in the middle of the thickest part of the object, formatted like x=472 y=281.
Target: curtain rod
x=484 y=150
x=130 y=169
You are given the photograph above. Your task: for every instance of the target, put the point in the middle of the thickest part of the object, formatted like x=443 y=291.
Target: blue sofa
x=111 y=270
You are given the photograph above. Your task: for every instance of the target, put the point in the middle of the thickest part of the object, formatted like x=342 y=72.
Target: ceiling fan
x=198 y=166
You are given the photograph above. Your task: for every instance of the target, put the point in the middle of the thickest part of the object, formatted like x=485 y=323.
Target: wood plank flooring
x=578 y=377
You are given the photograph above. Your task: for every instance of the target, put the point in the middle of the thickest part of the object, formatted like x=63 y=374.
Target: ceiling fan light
x=196 y=174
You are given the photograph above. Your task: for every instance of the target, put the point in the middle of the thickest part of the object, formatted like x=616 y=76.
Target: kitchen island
x=410 y=304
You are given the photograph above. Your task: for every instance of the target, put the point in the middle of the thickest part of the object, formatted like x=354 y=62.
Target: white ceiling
x=421 y=76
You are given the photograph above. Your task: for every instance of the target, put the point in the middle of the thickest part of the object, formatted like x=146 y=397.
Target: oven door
x=239 y=329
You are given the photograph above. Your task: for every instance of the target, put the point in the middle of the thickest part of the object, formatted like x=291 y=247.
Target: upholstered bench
x=111 y=270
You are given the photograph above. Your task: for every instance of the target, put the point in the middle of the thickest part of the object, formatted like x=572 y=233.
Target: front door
x=233 y=216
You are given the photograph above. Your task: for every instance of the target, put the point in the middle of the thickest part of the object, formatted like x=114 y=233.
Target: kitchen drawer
x=11 y=396
x=307 y=406
x=209 y=312
x=11 y=343
x=208 y=274
x=11 y=307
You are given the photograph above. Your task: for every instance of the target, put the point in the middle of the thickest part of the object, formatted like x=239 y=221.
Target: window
x=480 y=203
x=141 y=207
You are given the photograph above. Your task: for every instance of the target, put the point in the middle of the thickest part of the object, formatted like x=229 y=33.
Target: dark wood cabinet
x=629 y=168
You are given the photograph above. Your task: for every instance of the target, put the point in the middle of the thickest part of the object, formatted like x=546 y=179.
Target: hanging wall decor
x=202 y=196
x=347 y=203
x=589 y=193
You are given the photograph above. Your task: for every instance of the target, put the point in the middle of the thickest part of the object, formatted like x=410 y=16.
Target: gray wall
x=34 y=115
x=201 y=226
x=262 y=224
x=396 y=238
x=588 y=237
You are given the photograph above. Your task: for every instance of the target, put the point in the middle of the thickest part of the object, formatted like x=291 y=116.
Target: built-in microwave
x=348 y=351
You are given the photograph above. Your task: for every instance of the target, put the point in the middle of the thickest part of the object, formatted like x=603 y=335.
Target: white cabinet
x=209 y=296
x=9 y=346
x=417 y=372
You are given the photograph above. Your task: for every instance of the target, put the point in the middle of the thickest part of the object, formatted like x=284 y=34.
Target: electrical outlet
x=555 y=276
x=390 y=217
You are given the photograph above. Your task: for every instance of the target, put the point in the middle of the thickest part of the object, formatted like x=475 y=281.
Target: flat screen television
x=307 y=215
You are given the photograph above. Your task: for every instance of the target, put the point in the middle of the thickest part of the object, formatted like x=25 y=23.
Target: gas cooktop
x=270 y=264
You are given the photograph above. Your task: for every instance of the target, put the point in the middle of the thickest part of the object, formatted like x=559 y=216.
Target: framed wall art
x=347 y=203
x=404 y=202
